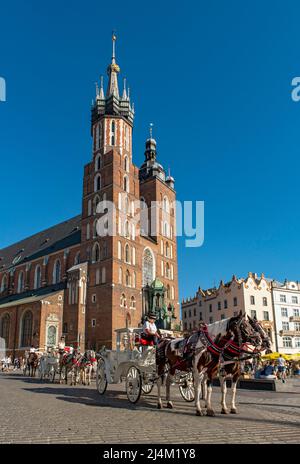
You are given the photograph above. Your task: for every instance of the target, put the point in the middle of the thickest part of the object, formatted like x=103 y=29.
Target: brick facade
x=83 y=284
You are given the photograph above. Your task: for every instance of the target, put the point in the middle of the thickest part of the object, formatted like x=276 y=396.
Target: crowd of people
x=279 y=368
x=7 y=363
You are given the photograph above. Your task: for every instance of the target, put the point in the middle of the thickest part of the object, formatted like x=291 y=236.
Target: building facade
x=286 y=303
x=251 y=295
x=107 y=267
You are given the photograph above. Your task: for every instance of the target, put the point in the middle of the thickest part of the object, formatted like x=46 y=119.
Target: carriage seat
x=140 y=340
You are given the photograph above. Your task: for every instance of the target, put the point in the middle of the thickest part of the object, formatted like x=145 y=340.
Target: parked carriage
x=135 y=363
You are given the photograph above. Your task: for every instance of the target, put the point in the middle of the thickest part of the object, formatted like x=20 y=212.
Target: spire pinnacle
x=114 y=38
x=97 y=89
x=124 y=96
x=150 y=129
x=113 y=71
x=101 y=93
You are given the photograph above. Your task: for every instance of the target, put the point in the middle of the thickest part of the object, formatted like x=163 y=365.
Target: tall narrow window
x=4 y=283
x=127 y=281
x=26 y=333
x=96 y=253
x=148 y=267
x=77 y=258
x=37 y=277
x=125 y=184
x=127 y=253
x=97 y=183
x=21 y=282
x=98 y=162
x=126 y=164
x=56 y=272
x=113 y=132
x=4 y=329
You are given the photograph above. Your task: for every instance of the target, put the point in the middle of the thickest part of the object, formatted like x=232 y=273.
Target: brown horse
x=31 y=364
x=233 y=368
x=69 y=363
x=199 y=359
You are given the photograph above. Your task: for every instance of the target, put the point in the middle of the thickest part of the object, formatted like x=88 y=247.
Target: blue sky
x=215 y=79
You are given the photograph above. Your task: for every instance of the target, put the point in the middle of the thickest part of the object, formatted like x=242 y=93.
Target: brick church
x=72 y=279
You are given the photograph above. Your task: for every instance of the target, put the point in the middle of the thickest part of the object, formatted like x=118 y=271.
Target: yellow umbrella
x=276 y=355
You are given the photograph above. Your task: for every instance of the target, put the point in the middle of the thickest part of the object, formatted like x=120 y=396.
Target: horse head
x=266 y=340
x=243 y=332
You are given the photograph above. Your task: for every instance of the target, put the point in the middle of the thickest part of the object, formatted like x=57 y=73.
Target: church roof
x=58 y=237
x=31 y=295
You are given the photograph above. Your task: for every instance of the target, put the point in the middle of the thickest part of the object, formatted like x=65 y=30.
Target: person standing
x=281 y=368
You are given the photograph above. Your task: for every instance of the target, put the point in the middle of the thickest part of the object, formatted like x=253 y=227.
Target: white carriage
x=136 y=365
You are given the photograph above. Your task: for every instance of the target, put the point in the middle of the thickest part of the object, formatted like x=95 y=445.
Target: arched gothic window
x=77 y=258
x=96 y=253
x=97 y=183
x=127 y=279
x=21 y=282
x=4 y=329
x=148 y=267
x=113 y=133
x=56 y=272
x=166 y=205
x=126 y=164
x=26 y=332
x=125 y=184
x=37 y=277
x=123 y=300
x=127 y=253
x=4 y=283
x=98 y=162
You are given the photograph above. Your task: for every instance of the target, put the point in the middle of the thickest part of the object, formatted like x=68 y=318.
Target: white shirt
x=151 y=327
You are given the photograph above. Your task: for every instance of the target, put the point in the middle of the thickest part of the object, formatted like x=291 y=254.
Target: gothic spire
x=124 y=96
x=113 y=71
x=101 y=94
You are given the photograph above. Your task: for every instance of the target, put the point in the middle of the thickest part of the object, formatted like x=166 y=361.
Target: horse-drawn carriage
x=134 y=361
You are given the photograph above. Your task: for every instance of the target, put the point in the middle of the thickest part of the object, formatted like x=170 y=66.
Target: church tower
x=119 y=257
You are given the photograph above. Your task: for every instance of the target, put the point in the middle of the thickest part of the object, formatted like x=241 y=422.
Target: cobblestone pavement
x=32 y=411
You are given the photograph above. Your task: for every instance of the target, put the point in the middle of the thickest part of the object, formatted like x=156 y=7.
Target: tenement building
x=286 y=302
x=251 y=295
x=99 y=270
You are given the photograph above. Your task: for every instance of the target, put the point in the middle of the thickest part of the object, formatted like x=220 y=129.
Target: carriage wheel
x=101 y=382
x=133 y=384
x=147 y=388
x=186 y=388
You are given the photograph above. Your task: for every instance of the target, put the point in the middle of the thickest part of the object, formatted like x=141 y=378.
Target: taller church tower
x=128 y=273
